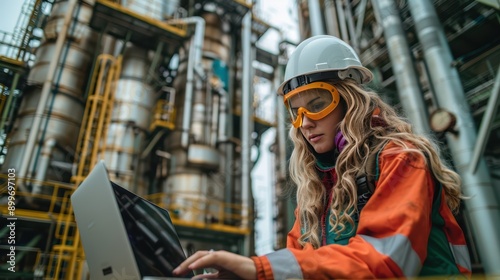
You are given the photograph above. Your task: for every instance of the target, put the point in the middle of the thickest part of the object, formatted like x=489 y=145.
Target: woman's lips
x=315 y=137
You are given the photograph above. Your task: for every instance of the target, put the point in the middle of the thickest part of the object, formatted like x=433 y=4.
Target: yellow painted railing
x=164 y=115
x=191 y=210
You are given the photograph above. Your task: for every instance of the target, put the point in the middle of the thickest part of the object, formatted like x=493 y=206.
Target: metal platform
x=143 y=31
x=15 y=66
x=234 y=10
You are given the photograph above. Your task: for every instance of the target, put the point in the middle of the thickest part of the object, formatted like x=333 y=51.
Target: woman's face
x=321 y=133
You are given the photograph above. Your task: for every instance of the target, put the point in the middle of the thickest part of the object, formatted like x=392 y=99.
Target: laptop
x=123 y=235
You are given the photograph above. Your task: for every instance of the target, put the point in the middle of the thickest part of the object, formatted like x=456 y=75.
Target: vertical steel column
x=195 y=55
x=482 y=207
x=342 y=22
x=315 y=18
x=330 y=15
x=246 y=127
x=486 y=123
x=402 y=64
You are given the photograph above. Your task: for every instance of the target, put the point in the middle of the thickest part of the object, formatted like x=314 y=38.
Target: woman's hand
x=228 y=265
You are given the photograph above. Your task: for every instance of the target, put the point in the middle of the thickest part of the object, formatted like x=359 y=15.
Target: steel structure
x=429 y=56
x=162 y=91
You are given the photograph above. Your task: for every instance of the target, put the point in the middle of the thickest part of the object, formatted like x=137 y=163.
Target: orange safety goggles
x=315 y=100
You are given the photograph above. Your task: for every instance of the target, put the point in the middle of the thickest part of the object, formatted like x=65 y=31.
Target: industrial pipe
x=482 y=207
x=246 y=123
x=43 y=166
x=487 y=121
x=194 y=63
x=402 y=64
x=315 y=18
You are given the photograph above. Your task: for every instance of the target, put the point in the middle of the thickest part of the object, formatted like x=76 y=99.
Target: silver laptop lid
x=124 y=236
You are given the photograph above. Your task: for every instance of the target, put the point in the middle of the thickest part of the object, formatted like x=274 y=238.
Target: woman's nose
x=307 y=122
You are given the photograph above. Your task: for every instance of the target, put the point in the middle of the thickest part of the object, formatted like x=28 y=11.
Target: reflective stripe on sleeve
x=398 y=248
x=284 y=265
x=461 y=255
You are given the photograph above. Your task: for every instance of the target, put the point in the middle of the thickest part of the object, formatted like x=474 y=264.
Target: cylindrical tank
x=194 y=185
x=62 y=116
x=133 y=103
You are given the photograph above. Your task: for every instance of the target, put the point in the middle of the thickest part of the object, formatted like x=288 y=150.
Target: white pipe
x=194 y=60
x=486 y=123
x=223 y=115
x=330 y=15
x=483 y=206
x=315 y=18
x=350 y=26
x=402 y=64
x=44 y=96
x=214 y=133
x=341 y=16
x=246 y=123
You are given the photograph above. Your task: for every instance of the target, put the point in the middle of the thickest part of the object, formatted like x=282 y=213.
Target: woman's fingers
x=184 y=267
x=228 y=265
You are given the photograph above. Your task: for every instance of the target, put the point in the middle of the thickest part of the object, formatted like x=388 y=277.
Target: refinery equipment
x=163 y=92
x=160 y=90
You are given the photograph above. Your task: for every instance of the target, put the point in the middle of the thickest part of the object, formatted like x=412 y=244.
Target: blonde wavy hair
x=356 y=127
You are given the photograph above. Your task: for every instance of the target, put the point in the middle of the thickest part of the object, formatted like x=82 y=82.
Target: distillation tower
x=162 y=91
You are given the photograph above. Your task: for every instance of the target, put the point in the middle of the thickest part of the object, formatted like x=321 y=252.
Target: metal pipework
x=44 y=163
x=246 y=125
x=315 y=18
x=487 y=121
x=482 y=207
x=330 y=15
x=402 y=64
x=195 y=55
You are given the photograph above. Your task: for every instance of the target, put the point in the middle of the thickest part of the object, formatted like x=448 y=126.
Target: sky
x=9 y=14
x=281 y=14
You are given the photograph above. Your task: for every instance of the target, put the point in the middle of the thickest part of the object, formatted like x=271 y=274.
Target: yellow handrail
x=217 y=214
x=97 y=116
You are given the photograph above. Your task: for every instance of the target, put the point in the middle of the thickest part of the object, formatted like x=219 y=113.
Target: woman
x=394 y=219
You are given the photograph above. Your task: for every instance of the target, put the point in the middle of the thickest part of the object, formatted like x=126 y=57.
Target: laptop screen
x=151 y=234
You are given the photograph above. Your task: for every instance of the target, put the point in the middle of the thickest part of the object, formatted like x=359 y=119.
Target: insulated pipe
x=214 y=133
x=229 y=146
x=223 y=115
x=246 y=121
x=486 y=123
x=44 y=96
x=402 y=64
x=350 y=26
x=315 y=18
x=195 y=55
x=332 y=25
x=341 y=16
x=482 y=207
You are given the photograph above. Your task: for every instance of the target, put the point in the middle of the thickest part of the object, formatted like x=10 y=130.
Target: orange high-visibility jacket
x=405 y=230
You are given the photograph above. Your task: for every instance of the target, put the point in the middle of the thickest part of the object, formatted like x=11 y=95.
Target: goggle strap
x=302 y=80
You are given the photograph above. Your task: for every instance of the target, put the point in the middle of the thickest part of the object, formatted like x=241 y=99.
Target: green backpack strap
x=368 y=174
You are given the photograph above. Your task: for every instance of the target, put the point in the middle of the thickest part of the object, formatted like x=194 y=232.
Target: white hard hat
x=323 y=57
